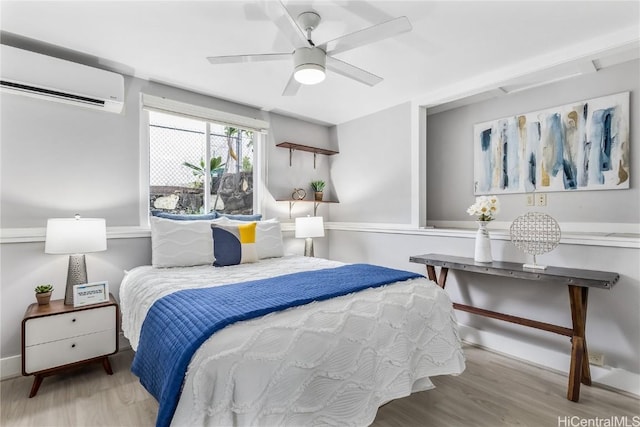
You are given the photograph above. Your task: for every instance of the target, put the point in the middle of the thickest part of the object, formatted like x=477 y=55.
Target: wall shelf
x=316 y=203
x=315 y=150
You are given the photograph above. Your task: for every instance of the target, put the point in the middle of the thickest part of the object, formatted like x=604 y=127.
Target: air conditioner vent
x=28 y=73
x=49 y=92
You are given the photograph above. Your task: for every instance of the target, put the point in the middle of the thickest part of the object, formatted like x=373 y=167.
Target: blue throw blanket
x=177 y=324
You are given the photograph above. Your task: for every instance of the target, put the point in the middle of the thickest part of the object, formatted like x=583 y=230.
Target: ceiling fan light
x=309 y=74
x=309 y=65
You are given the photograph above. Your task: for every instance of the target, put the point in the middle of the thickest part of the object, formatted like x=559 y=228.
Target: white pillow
x=268 y=236
x=269 y=239
x=180 y=243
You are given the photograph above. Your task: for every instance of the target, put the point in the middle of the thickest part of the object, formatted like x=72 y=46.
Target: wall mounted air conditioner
x=32 y=74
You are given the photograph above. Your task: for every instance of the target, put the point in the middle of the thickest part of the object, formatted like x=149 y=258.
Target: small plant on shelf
x=318 y=187
x=43 y=289
x=43 y=294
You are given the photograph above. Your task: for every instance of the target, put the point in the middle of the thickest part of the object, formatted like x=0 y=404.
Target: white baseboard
x=10 y=367
x=615 y=378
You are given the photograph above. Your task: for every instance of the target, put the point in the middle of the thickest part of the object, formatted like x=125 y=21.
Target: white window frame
x=168 y=106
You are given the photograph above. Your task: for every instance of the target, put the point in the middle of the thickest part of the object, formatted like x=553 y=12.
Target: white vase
x=483 y=243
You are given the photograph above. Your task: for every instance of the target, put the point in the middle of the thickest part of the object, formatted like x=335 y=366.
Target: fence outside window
x=177 y=166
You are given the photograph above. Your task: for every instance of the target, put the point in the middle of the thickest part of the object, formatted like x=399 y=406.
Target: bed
x=327 y=362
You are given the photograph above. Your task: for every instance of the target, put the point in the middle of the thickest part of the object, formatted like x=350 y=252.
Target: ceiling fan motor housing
x=309 y=63
x=309 y=20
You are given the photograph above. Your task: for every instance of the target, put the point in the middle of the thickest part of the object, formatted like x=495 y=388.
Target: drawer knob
x=73 y=346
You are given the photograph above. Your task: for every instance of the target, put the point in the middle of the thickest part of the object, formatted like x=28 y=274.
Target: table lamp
x=75 y=236
x=307 y=228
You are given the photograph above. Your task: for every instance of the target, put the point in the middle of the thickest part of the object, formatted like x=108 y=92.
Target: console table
x=578 y=282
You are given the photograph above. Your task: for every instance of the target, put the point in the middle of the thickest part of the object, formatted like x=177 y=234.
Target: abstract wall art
x=579 y=146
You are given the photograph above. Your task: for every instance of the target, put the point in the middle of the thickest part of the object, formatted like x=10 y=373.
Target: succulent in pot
x=318 y=187
x=43 y=294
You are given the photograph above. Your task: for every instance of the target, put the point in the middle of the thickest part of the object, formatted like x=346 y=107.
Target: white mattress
x=330 y=363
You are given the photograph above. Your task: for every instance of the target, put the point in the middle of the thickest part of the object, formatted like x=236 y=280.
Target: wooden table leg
x=442 y=278
x=586 y=368
x=107 y=366
x=431 y=273
x=36 y=385
x=579 y=371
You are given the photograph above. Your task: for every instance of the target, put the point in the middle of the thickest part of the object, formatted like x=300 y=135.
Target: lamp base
x=308 y=247
x=76 y=275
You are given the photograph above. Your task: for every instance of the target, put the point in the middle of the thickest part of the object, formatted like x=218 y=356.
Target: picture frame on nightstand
x=90 y=293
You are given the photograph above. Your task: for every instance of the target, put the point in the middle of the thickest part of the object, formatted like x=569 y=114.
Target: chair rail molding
x=37 y=234
x=610 y=235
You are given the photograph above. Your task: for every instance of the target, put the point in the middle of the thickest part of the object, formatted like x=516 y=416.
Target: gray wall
x=281 y=178
x=59 y=159
x=371 y=175
x=450 y=153
x=613 y=316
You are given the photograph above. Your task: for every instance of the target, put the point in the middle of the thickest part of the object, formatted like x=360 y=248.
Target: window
x=197 y=166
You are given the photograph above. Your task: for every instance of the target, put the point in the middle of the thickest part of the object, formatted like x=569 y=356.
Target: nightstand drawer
x=45 y=329
x=71 y=350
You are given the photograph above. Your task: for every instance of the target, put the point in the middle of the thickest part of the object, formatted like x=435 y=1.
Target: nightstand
x=56 y=337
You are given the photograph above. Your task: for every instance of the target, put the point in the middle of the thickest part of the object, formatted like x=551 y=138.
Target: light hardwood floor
x=493 y=391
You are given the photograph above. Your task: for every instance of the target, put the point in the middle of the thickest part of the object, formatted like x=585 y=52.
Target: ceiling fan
x=311 y=60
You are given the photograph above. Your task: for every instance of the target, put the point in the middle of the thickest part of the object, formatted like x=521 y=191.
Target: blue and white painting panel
x=578 y=146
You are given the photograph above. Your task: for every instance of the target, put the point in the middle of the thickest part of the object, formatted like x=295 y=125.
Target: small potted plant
x=318 y=187
x=43 y=294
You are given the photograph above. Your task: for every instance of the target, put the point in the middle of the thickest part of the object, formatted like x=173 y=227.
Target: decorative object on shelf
x=298 y=194
x=535 y=233
x=43 y=294
x=482 y=252
x=90 y=293
x=527 y=152
x=485 y=208
x=307 y=228
x=75 y=237
x=318 y=187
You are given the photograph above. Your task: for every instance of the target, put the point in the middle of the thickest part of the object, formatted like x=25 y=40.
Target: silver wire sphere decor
x=535 y=233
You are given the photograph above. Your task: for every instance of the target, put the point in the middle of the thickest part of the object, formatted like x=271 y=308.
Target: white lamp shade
x=309 y=226
x=75 y=235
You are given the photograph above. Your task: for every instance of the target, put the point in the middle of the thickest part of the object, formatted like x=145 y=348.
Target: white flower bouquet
x=485 y=208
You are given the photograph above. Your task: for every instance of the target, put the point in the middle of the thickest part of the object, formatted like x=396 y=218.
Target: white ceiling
x=455 y=48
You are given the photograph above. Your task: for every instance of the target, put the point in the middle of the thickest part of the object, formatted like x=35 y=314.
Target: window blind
x=170 y=106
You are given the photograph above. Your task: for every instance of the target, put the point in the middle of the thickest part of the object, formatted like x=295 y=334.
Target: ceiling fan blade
x=259 y=57
x=367 y=35
x=292 y=87
x=280 y=16
x=352 y=72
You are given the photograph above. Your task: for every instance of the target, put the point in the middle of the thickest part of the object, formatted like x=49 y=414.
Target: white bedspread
x=326 y=363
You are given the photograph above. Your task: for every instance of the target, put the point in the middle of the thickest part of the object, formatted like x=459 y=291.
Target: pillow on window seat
x=184 y=217
x=255 y=217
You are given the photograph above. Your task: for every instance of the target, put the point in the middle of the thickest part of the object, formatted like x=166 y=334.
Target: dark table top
x=569 y=276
